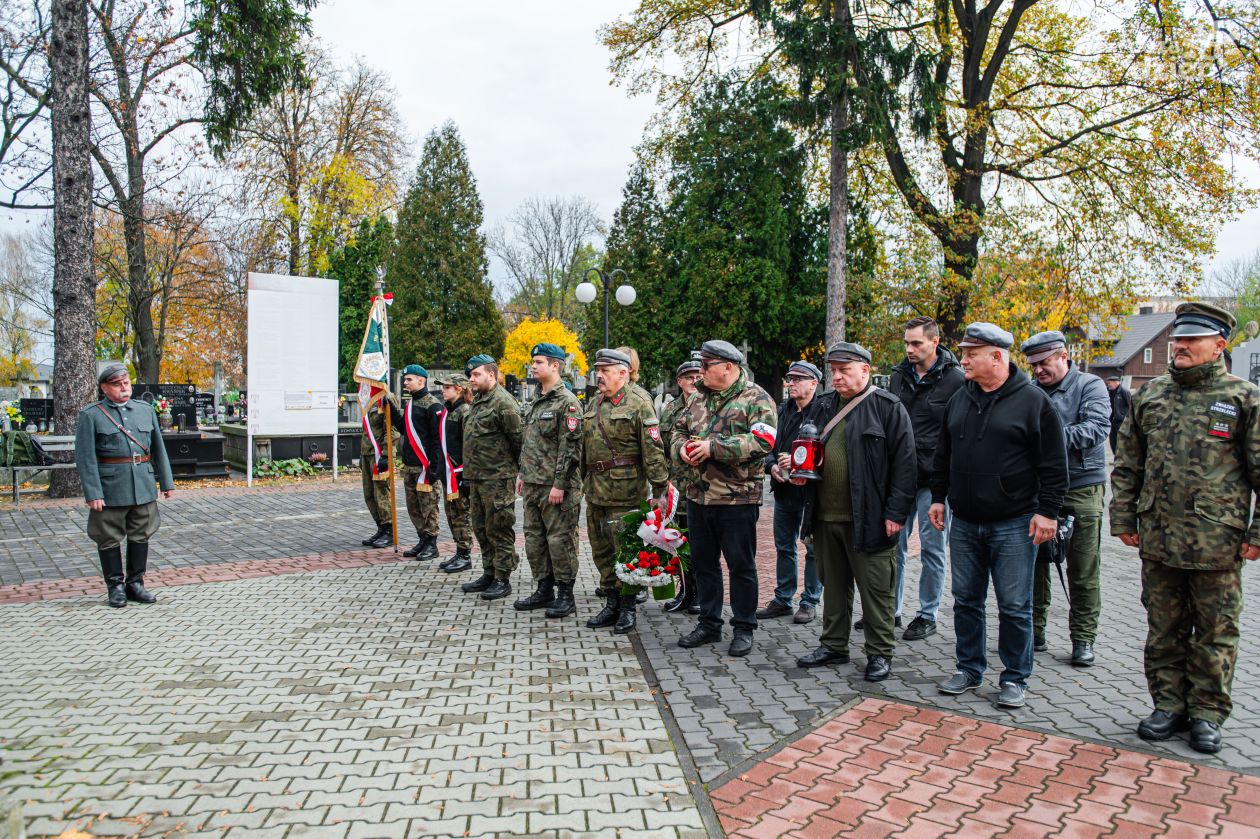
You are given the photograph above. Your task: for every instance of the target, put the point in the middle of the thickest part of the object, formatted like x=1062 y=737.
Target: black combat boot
x=544 y=595
x=137 y=564
x=112 y=571
x=462 y=561
x=629 y=615
x=381 y=530
x=607 y=616
x=686 y=597
x=429 y=550
x=497 y=590
x=422 y=542
x=384 y=538
x=641 y=597
x=480 y=584
x=563 y=606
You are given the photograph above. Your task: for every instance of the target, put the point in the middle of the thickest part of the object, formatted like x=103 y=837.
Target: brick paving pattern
x=887 y=769
x=372 y=701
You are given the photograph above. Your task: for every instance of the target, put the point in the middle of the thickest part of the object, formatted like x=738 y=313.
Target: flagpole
x=389 y=427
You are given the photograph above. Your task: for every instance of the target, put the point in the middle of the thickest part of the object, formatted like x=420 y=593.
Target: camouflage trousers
x=1082 y=571
x=493 y=505
x=422 y=503
x=376 y=495
x=551 y=533
x=1191 y=638
x=458 y=517
x=603 y=541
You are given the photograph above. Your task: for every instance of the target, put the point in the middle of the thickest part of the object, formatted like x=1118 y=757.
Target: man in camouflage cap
x=1187 y=465
x=550 y=485
x=722 y=437
x=449 y=431
x=622 y=456
x=492 y=456
x=376 y=467
x=687 y=377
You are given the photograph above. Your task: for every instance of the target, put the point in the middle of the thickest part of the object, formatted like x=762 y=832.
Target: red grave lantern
x=807 y=454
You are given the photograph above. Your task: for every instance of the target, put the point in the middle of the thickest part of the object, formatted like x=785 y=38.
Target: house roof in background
x=1134 y=331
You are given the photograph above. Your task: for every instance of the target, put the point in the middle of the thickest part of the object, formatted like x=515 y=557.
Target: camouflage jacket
x=492 y=436
x=739 y=423
x=553 y=441
x=678 y=472
x=1187 y=463
x=376 y=420
x=621 y=450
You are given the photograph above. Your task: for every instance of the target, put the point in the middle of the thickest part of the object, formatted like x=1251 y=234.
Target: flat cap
x=1113 y=378
x=611 y=358
x=111 y=372
x=982 y=334
x=549 y=351
x=415 y=370
x=804 y=370
x=1198 y=320
x=689 y=366
x=1043 y=345
x=476 y=361
x=844 y=351
x=723 y=350
x=452 y=380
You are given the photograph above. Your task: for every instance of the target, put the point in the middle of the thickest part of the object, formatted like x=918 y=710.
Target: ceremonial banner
x=371 y=371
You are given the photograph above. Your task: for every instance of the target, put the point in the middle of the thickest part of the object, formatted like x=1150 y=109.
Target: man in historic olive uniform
x=120 y=457
x=622 y=455
x=722 y=437
x=416 y=423
x=550 y=485
x=376 y=467
x=492 y=456
x=1187 y=465
x=686 y=376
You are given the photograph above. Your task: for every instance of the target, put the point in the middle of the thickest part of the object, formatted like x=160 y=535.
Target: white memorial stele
x=292 y=360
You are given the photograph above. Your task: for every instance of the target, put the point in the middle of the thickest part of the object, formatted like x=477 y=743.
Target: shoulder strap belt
x=844 y=412
x=125 y=432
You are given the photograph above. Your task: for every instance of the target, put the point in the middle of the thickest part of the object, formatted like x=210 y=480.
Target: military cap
x=1113 y=378
x=803 y=369
x=610 y=358
x=452 y=380
x=111 y=372
x=476 y=361
x=1043 y=345
x=690 y=366
x=1198 y=320
x=548 y=350
x=985 y=334
x=722 y=350
x=415 y=370
x=843 y=351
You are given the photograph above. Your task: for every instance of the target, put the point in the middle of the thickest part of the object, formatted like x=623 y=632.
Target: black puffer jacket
x=925 y=403
x=880 y=446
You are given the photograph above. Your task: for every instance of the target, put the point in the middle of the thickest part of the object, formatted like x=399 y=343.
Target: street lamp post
x=625 y=293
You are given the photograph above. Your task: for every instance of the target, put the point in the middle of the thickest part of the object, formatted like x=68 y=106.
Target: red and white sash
x=413 y=438
x=452 y=470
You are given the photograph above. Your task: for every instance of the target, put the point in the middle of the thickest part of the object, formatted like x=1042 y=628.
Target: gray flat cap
x=805 y=370
x=1113 y=378
x=723 y=350
x=611 y=358
x=113 y=371
x=843 y=351
x=687 y=367
x=982 y=334
x=1043 y=345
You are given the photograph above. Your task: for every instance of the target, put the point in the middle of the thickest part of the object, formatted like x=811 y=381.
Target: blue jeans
x=1004 y=552
x=788 y=516
x=932 y=553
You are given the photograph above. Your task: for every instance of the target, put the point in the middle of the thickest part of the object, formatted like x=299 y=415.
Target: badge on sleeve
x=655 y=433
x=572 y=423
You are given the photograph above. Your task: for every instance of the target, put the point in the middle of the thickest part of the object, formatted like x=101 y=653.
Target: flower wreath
x=650 y=553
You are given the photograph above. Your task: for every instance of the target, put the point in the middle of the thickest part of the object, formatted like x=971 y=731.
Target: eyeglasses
x=709 y=362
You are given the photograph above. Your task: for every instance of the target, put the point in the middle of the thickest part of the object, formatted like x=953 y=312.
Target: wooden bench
x=53 y=446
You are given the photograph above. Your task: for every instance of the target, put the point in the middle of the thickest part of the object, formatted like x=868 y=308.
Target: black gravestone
x=38 y=412
x=205 y=407
x=182 y=398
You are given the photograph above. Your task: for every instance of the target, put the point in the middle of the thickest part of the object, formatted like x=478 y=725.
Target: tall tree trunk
x=74 y=285
x=838 y=222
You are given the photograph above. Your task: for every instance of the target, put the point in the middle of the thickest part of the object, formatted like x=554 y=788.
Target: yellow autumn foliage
x=522 y=339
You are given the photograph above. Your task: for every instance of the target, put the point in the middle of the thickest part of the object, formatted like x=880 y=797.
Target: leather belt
x=624 y=460
x=134 y=459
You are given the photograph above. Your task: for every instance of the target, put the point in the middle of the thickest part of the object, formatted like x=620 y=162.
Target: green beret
x=415 y=370
x=548 y=350
x=476 y=361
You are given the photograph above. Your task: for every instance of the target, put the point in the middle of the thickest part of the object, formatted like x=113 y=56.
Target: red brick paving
x=888 y=769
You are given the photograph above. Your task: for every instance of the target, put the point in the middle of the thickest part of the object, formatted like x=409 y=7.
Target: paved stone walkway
x=374 y=701
x=323 y=689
